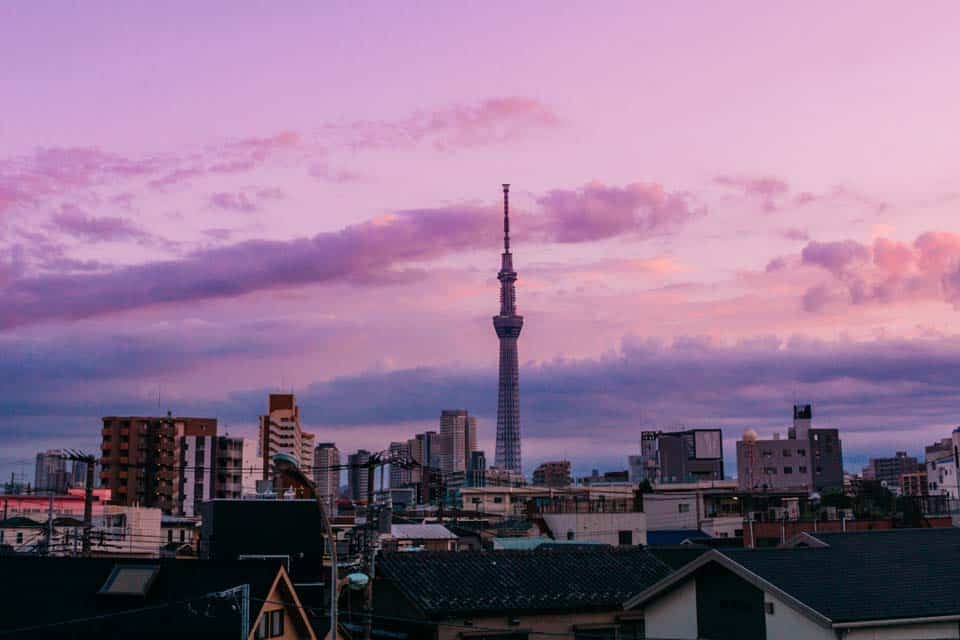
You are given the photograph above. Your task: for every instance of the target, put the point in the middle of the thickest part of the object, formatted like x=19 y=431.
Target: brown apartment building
x=140 y=457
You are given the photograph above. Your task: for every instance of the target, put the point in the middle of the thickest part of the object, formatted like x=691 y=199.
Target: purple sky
x=719 y=209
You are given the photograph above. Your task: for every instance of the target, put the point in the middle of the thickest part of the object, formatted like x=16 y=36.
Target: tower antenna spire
x=506 y=218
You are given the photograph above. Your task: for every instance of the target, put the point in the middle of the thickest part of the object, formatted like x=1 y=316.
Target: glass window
x=276 y=623
x=683 y=507
x=787 y=470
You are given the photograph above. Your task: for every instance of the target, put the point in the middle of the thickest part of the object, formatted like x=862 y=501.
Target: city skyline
x=205 y=213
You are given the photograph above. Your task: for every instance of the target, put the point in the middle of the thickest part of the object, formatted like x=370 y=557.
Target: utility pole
x=49 y=524
x=90 y=460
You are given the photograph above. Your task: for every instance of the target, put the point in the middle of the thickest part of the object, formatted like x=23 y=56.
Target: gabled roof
x=443 y=585
x=54 y=591
x=859 y=577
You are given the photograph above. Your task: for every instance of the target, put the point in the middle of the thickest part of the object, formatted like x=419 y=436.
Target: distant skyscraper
x=326 y=475
x=51 y=472
x=399 y=476
x=359 y=474
x=458 y=439
x=508 y=325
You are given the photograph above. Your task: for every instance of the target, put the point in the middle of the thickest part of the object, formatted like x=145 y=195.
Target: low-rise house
x=431 y=537
x=104 y=598
x=513 y=594
x=880 y=585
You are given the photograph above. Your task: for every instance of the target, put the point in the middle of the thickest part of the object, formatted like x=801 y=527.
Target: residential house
x=576 y=594
x=54 y=598
x=431 y=537
x=879 y=585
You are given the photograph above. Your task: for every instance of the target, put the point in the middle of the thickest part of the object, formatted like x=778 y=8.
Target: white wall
x=598 y=527
x=664 y=511
x=937 y=631
x=674 y=615
x=722 y=527
x=787 y=623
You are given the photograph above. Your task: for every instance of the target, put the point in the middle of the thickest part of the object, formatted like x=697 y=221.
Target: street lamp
x=288 y=467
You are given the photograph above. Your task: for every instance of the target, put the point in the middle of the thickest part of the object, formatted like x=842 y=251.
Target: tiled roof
x=905 y=573
x=444 y=585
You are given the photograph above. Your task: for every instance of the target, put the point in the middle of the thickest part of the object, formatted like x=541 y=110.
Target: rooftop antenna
x=506 y=218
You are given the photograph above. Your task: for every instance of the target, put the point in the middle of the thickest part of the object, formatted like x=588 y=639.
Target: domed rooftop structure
x=749 y=435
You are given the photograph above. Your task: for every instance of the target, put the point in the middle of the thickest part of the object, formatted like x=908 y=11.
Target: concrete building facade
x=678 y=456
x=553 y=474
x=326 y=474
x=807 y=460
x=50 y=475
x=140 y=458
x=458 y=440
x=280 y=432
x=359 y=475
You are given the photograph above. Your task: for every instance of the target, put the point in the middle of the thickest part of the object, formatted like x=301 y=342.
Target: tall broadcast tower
x=508 y=325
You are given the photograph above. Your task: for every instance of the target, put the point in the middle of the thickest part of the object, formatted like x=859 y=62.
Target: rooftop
x=521 y=581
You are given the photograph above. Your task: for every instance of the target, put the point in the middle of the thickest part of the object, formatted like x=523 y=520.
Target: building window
x=570 y=535
x=183 y=535
x=276 y=623
x=787 y=453
x=625 y=538
x=801 y=469
x=768 y=607
x=497 y=500
x=19 y=537
x=802 y=452
x=683 y=507
x=770 y=471
x=271 y=624
x=169 y=535
x=787 y=470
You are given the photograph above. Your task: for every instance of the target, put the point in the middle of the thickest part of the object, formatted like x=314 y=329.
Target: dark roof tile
x=445 y=584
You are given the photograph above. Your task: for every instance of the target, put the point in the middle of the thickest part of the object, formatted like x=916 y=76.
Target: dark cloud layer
x=857 y=387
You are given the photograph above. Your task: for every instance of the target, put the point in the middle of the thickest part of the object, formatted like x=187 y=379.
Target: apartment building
x=280 y=432
x=142 y=458
x=807 y=460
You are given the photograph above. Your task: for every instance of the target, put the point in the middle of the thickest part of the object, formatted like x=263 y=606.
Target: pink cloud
x=835 y=257
x=886 y=271
x=247 y=201
x=374 y=252
x=767 y=189
x=71 y=219
x=598 y=211
x=492 y=121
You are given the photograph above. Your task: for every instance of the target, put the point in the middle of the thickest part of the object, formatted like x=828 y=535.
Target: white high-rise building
x=280 y=432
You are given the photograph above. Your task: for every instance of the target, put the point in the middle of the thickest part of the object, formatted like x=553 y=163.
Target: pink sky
x=220 y=201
